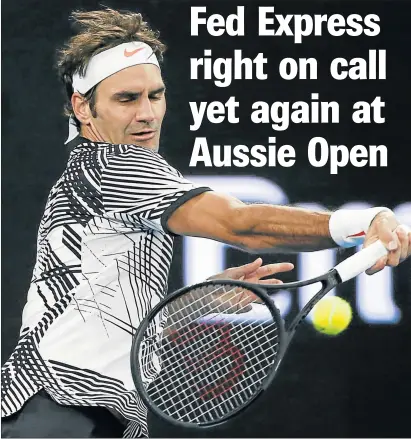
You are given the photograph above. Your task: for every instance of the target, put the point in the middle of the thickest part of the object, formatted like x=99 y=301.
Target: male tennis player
x=105 y=240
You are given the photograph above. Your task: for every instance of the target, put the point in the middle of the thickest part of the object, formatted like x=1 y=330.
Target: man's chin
x=149 y=144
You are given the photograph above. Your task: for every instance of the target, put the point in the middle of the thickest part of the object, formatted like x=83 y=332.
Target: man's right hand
x=395 y=236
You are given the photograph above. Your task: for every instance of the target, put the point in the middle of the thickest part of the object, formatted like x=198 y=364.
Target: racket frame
x=138 y=338
x=328 y=280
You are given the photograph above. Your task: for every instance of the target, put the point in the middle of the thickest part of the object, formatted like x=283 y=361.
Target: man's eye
x=155 y=98
x=125 y=100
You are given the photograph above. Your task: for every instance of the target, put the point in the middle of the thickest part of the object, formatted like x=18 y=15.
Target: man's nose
x=145 y=111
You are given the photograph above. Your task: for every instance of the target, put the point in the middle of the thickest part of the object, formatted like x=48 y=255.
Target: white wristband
x=348 y=227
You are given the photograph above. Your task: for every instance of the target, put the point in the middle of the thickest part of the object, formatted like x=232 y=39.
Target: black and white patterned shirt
x=103 y=257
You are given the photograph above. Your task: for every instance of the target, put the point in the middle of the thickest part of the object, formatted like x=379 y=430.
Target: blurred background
x=354 y=385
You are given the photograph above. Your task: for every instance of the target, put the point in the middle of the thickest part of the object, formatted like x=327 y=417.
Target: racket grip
x=361 y=261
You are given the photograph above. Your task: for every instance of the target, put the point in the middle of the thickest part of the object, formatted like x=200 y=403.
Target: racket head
x=197 y=360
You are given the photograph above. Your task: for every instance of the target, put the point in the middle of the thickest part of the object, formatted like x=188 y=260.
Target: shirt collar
x=79 y=142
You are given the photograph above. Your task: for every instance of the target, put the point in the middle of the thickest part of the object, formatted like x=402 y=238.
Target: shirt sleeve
x=139 y=187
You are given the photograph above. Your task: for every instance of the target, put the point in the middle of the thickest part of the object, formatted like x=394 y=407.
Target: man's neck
x=92 y=134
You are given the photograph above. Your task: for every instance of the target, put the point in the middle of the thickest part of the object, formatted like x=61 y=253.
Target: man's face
x=130 y=107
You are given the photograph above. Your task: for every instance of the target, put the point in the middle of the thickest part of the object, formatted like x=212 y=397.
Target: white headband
x=105 y=64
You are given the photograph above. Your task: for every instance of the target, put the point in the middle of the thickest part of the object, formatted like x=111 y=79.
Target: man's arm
x=252 y=227
x=260 y=228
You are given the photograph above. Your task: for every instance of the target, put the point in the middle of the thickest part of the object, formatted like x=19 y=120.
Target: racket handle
x=361 y=261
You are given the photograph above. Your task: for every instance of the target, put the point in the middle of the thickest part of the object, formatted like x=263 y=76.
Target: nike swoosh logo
x=356 y=235
x=133 y=52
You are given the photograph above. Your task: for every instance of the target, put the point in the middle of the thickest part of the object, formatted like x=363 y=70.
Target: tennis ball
x=331 y=315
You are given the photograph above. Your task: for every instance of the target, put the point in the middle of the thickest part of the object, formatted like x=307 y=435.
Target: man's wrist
x=349 y=227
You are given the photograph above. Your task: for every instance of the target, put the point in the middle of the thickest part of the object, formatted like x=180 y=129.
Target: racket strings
x=212 y=355
x=196 y=331
x=226 y=401
x=191 y=381
x=187 y=416
x=152 y=337
x=208 y=366
x=206 y=303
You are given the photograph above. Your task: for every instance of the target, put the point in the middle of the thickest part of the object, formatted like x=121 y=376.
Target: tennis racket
x=207 y=351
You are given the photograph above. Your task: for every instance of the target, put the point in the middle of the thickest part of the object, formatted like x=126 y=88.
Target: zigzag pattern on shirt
x=102 y=263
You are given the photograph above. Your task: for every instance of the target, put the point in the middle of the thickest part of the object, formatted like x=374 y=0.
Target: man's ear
x=81 y=108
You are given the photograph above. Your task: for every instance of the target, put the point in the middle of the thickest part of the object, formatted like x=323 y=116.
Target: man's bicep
x=140 y=185
x=208 y=215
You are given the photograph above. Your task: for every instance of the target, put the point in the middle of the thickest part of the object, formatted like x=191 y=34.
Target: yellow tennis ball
x=331 y=315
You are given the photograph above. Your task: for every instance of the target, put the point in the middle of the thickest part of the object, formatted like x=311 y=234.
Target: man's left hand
x=254 y=272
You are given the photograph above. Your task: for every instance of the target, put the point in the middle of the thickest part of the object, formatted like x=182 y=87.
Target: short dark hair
x=98 y=31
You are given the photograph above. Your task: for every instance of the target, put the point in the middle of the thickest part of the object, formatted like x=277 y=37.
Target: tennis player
x=105 y=241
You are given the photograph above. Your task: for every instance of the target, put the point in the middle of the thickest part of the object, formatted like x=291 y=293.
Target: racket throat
x=329 y=281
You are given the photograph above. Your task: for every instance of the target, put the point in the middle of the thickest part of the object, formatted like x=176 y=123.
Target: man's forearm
x=262 y=228
x=286 y=229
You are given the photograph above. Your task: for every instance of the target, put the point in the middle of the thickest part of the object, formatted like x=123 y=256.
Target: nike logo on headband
x=133 y=52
